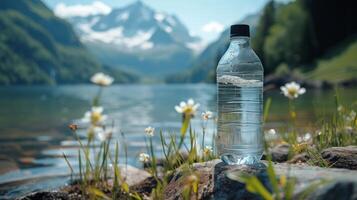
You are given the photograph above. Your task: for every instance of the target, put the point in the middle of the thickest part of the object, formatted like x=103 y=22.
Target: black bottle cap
x=240 y=30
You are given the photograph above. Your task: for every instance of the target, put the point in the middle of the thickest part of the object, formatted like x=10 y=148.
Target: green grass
x=341 y=67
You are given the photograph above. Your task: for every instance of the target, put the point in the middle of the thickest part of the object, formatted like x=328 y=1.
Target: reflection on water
x=33 y=120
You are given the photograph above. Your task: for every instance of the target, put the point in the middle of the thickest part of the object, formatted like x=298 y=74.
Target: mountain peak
x=135 y=24
x=138 y=3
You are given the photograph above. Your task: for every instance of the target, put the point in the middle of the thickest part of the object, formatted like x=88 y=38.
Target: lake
x=34 y=123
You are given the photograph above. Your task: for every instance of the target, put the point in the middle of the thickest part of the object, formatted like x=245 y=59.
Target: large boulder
x=341 y=157
x=280 y=153
x=214 y=183
x=132 y=175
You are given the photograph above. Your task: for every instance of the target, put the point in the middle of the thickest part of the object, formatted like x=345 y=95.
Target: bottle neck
x=240 y=41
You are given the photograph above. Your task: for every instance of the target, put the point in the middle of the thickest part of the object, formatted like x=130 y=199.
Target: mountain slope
x=36 y=47
x=137 y=38
x=342 y=67
x=204 y=66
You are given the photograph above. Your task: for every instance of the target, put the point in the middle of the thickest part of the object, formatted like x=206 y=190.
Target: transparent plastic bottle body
x=240 y=76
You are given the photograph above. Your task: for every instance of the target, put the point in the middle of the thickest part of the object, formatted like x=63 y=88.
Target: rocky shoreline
x=275 y=81
x=214 y=181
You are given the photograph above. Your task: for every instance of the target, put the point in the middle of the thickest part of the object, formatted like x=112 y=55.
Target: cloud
x=213 y=27
x=82 y=10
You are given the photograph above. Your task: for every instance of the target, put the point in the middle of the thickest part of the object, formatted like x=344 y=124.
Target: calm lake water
x=34 y=133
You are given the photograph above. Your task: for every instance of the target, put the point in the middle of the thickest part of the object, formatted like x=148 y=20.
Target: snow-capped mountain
x=138 y=38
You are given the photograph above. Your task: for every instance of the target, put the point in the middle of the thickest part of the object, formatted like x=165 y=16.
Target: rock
x=133 y=175
x=349 y=83
x=145 y=187
x=299 y=158
x=214 y=183
x=306 y=174
x=46 y=196
x=280 y=153
x=7 y=164
x=336 y=190
x=341 y=157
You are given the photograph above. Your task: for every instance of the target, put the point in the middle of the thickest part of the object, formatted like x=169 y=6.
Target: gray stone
x=214 y=183
x=47 y=195
x=7 y=164
x=299 y=158
x=133 y=175
x=343 y=190
x=341 y=157
x=280 y=153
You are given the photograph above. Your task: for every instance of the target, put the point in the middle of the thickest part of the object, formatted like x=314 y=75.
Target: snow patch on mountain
x=168 y=29
x=115 y=36
x=159 y=16
x=124 y=16
x=82 y=10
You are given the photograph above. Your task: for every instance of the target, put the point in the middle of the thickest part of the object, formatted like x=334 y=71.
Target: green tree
x=266 y=20
x=291 y=39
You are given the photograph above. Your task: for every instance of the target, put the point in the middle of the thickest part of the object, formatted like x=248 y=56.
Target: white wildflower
x=292 y=90
x=207 y=115
x=351 y=116
x=94 y=116
x=271 y=131
x=102 y=79
x=143 y=157
x=271 y=135
x=189 y=108
x=150 y=131
x=207 y=150
x=94 y=130
x=340 y=108
x=104 y=134
x=299 y=139
x=306 y=138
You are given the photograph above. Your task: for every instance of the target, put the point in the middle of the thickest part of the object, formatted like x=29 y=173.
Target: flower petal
x=195 y=107
x=190 y=102
x=302 y=90
x=178 y=109
x=104 y=118
x=98 y=109
x=182 y=104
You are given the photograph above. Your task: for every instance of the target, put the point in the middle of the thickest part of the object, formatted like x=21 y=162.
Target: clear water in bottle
x=240 y=102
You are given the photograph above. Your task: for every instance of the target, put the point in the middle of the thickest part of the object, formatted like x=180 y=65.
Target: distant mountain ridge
x=204 y=66
x=138 y=38
x=36 y=47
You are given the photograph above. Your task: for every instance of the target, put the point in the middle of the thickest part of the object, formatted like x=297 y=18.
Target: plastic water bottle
x=240 y=74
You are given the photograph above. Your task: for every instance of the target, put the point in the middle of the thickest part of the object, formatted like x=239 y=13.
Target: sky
x=204 y=18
